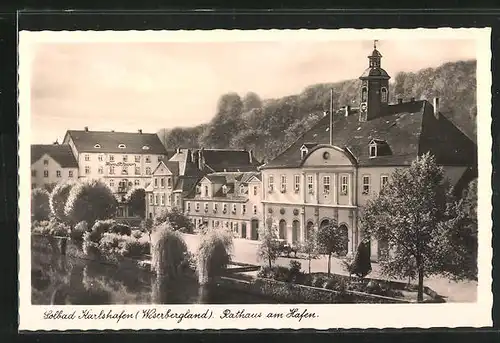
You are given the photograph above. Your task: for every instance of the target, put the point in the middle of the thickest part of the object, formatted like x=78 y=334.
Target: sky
x=129 y=86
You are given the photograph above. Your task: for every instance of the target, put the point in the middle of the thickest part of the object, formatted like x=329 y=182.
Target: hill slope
x=269 y=126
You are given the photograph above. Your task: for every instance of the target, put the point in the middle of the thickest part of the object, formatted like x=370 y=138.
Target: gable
x=327 y=156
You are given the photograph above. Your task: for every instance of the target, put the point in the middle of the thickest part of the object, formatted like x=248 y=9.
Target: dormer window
x=224 y=189
x=145 y=147
x=121 y=146
x=373 y=150
x=378 y=147
x=97 y=146
x=303 y=152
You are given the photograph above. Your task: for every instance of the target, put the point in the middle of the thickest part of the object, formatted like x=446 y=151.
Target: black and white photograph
x=255 y=179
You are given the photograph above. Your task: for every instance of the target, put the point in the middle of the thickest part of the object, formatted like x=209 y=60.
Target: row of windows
x=162 y=182
x=46 y=173
x=206 y=190
x=225 y=224
x=344 y=184
x=124 y=170
x=111 y=158
x=159 y=199
x=124 y=183
x=383 y=94
x=225 y=208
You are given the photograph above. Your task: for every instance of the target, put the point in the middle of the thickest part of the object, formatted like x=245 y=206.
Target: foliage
x=78 y=231
x=337 y=283
x=99 y=228
x=168 y=250
x=270 y=126
x=330 y=240
x=146 y=225
x=58 y=199
x=268 y=249
x=90 y=201
x=310 y=246
x=177 y=220
x=214 y=254
x=136 y=199
x=410 y=215
x=361 y=266
x=120 y=229
x=50 y=228
x=40 y=208
x=49 y=187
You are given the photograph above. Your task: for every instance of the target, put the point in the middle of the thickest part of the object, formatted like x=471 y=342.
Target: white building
x=52 y=163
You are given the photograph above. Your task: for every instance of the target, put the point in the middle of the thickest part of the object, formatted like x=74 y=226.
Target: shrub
x=318 y=281
x=58 y=229
x=177 y=220
x=146 y=225
x=295 y=273
x=40 y=208
x=337 y=283
x=213 y=254
x=264 y=272
x=99 y=228
x=90 y=201
x=361 y=266
x=136 y=199
x=136 y=234
x=120 y=229
x=76 y=234
x=58 y=199
x=167 y=249
x=133 y=247
x=41 y=227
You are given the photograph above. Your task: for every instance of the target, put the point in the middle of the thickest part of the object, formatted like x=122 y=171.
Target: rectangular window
x=344 y=184
x=270 y=183
x=137 y=182
x=215 y=207
x=170 y=199
x=87 y=157
x=156 y=182
x=197 y=207
x=137 y=171
x=206 y=207
x=58 y=173
x=254 y=209
x=45 y=162
x=87 y=169
x=169 y=182
x=111 y=158
x=188 y=206
x=70 y=173
x=206 y=191
x=156 y=199
x=163 y=199
x=224 y=208
x=326 y=185
x=151 y=199
x=148 y=170
x=366 y=184
x=33 y=173
x=112 y=170
x=100 y=158
x=255 y=190
x=137 y=158
x=100 y=170
x=112 y=183
x=160 y=158
x=234 y=208
x=148 y=159
x=283 y=183
x=45 y=173
x=296 y=183
x=125 y=158
x=33 y=185
x=243 y=208
x=124 y=171
x=384 y=179
x=310 y=184
x=162 y=183
x=373 y=150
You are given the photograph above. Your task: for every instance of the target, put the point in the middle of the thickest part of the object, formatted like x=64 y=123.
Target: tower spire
x=375 y=43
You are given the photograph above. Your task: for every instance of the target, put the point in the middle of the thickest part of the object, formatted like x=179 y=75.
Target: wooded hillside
x=270 y=126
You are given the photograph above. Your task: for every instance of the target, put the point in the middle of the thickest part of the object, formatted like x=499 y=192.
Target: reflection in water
x=61 y=280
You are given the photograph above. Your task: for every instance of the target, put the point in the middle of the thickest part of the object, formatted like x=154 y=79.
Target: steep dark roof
x=173 y=166
x=109 y=142
x=409 y=129
x=61 y=153
x=186 y=185
x=220 y=160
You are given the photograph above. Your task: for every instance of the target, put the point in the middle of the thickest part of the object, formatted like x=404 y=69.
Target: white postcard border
x=329 y=315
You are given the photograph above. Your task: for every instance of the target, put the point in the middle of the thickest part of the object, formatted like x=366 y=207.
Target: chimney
x=250 y=156
x=436 y=107
x=140 y=130
x=86 y=128
x=400 y=100
x=412 y=99
x=201 y=161
x=178 y=150
x=347 y=110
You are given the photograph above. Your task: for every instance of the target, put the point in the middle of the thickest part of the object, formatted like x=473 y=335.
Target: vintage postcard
x=262 y=179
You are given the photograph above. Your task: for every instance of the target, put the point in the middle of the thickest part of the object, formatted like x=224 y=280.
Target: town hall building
x=348 y=156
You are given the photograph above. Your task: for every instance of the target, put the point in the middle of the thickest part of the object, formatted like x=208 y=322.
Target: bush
x=318 y=281
x=336 y=283
x=78 y=231
x=361 y=266
x=100 y=227
x=58 y=229
x=120 y=229
x=58 y=199
x=136 y=234
x=168 y=250
x=177 y=220
x=90 y=201
x=213 y=254
x=40 y=227
x=40 y=208
x=295 y=273
x=146 y=225
x=134 y=248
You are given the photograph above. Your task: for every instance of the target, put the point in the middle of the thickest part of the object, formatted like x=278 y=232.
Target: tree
x=49 y=187
x=90 y=201
x=40 y=208
x=268 y=249
x=168 y=250
x=136 y=199
x=310 y=246
x=176 y=219
x=213 y=254
x=409 y=214
x=361 y=266
x=251 y=101
x=58 y=199
x=331 y=240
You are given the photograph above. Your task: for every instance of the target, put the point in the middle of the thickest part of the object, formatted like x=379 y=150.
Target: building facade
x=348 y=156
x=51 y=164
x=230 y=200
x=159 y=193
x=122 y=160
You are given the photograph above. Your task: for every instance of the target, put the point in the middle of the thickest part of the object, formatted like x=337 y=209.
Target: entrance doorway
x=243 y=230
x=255 y=229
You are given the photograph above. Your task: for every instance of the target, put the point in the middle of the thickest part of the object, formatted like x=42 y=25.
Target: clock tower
x=374 y=92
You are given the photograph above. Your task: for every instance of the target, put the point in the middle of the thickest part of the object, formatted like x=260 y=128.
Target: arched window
x=364 y=93
x=344 y=234
x=384 y=94
x=282 y=229
x=309 y=228
x=295 y=231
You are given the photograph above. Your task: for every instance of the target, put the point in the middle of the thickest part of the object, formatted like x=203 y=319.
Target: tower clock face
x=363 y=107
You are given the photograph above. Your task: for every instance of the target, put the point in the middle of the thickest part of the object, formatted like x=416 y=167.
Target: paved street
x=246 y=251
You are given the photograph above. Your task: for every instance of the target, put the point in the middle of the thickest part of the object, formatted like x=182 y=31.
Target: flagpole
x=331 y=116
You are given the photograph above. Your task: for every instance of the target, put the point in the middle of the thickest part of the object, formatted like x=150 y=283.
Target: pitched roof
x=186 y=185
x=61 y=153
x=134 y=142
x=220 y=160
x=409 y=129
x=172 y=166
